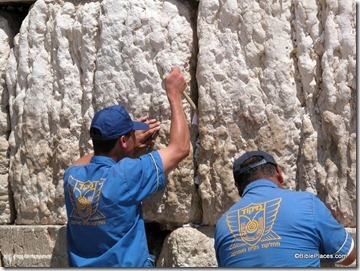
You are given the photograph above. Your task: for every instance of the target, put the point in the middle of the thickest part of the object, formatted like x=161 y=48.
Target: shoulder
x=150 y=158
x=299 y=194
x=71 y=169
x=141 y=167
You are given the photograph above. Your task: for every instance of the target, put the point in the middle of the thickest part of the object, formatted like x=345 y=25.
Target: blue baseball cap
x=113 y=122
x=239 y=168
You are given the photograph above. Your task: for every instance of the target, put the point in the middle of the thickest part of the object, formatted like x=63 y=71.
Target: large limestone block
x=326 y=60
x=9 y=25
x=278 y=76
x=188 y=247
x=29 y=246
x=248 y=97
x=71 y=58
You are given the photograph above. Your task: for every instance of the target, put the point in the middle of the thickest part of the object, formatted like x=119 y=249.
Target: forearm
x=179 y=144
x=179 y=131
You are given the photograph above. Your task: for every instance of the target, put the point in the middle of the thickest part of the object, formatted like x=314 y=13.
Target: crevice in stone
x=155 y=236
x=20 y=8
x=293 y=54
x=1 y=259
x=13 y=213
x=194 y=94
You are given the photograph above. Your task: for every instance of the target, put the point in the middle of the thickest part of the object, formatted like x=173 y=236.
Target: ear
x=279 y=176
x=122 y=142
x=238 y=186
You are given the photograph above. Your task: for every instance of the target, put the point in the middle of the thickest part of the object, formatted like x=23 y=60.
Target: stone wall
x=273 y=75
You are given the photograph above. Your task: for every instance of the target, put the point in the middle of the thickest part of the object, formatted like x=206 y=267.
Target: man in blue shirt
x=274 y=227
x=103 y=190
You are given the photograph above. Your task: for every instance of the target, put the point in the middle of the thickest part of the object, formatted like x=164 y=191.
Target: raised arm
x=179 y=145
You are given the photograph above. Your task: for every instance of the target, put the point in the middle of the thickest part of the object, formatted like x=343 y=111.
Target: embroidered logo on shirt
x=253 y=224
x=84 y=197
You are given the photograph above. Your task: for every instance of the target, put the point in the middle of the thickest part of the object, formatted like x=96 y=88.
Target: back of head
x=109 y=124
x=101 y=147
x=252 y=166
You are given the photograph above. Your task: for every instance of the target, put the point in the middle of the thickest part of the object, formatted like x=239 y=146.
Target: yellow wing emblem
x=84 y=197
x=254 y=223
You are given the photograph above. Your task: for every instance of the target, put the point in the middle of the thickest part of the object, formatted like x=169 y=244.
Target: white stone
x=196 y=248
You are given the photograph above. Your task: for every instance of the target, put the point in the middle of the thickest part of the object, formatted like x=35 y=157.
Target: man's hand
x=175 y=84
x=145 y=138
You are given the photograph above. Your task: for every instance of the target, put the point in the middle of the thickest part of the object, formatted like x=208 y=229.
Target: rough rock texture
x=29 y=246
x=74 y=60
x=273 y=75
x=9 y=27
x=279 y=77
x=45 y=246
x=196 y=248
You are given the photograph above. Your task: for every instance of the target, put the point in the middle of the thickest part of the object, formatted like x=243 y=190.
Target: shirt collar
x=258 y=183
x=100 y=159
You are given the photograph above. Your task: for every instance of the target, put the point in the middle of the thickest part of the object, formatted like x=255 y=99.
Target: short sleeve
x=336 y=242
x=144 y=175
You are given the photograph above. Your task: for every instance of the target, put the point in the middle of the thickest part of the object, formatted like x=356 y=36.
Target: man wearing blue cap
x=274 y=227
x=104 y=189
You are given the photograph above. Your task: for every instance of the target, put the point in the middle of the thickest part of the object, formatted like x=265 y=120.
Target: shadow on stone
x=155 y=238
x=59 y=256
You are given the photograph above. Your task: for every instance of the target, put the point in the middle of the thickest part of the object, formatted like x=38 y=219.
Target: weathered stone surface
x=29 y=246
x=248 y=94
x=70 y=60
x=278 y=77
x=45 y=246
x=325 y=58
x=9 y=27
x=196 y=248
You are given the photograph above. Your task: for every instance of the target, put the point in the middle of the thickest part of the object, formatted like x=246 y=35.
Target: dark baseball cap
x=239 y=168
x=113 y=122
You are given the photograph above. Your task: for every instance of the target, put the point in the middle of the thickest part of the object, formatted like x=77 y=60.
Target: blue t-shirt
x=105 y=226
x=273 y=227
